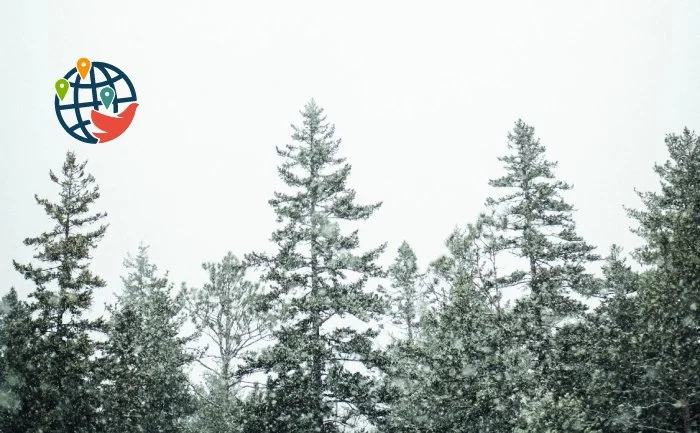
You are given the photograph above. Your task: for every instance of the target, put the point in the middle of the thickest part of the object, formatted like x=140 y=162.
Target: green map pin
x=62 y=86
x=107 y=96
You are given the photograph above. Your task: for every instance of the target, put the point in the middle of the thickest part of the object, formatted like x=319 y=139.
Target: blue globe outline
x=96 y=102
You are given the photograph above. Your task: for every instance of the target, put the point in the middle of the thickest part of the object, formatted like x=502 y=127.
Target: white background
x=422 y=93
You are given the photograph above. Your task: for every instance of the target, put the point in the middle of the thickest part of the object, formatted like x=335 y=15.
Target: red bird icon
x=113 y=126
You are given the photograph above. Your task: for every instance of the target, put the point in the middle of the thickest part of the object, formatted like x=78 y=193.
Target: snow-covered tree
x=599 y=360
x=669 y=298
x=147 y=385
x=123 y=387
x=535 y=224
x=59 y=344
x=14 y=380
x=224 y=311
x=319 y=378
x=405 y=297
x=467 y=365
x=484 y=360
x=399 y=382
x=546 y=413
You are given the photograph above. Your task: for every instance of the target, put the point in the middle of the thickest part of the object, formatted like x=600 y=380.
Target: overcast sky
x=422 y=94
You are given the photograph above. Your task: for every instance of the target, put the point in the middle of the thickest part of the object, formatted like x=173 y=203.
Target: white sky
x=422 y=94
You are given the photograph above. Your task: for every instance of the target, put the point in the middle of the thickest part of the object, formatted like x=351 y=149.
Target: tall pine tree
x=536 y=225
x=58 y=345
x=317 y=278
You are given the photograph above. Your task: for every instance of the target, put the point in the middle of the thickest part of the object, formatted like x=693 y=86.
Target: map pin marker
x=83 y=66
x=62 y=86
x=107 y=96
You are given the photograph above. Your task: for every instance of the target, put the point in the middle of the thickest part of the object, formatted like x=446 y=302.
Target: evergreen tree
x=315 y=279
x=552 y=414
x=614 y=362
x=224 y=310
x=405 y=297
x=669 y=297
x=536 y=225
x=400 y=382
x=148 y=387
x=596 y=363
x=636 y=364
x=123 y=376
x=59 y=392
x=14 y=321
x=469 y=369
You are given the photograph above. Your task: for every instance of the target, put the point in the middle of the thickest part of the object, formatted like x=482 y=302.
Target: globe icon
x=75 y=110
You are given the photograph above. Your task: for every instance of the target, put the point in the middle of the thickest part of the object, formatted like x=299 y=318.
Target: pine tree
x=469 y=367
x=552 y=414
x=122 y=372
x=315 y=278
x=669 y=297
x=405 y=297
x=148 y=387
x=58 y=344
x=399 y=383
x=536 y=225
x=224 y=310
x=14 y=321
x=613 y=357
x=597 y=360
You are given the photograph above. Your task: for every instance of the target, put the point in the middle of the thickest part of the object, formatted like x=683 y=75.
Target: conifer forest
x=520 y=326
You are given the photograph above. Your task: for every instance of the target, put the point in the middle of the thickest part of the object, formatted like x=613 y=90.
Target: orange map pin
x=83 y=67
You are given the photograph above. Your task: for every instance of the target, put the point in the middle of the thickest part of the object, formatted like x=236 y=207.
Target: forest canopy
x=288 y=339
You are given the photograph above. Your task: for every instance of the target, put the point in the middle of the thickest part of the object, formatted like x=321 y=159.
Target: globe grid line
x=90 y=104
x=115 y=102
x=79 y=117
x=99 y=84
x=93 y=87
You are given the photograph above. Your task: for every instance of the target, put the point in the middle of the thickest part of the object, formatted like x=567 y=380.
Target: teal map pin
x=107 y=96
x=62 y=86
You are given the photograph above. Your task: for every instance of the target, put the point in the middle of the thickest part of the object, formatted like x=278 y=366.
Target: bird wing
x=112 y=126
x=102 y=121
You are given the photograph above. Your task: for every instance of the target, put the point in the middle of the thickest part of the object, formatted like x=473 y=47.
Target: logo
x=89 y=99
